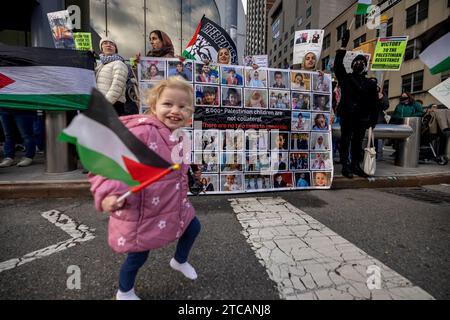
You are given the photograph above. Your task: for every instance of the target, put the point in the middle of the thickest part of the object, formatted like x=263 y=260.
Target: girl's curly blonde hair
x=175 y=82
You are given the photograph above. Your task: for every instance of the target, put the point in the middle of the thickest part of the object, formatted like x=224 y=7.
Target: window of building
x=411 y=50
x=308 y=26
x=360 y=20
x=417 y=13
x=276 y=28
x=292 y=42
x=340 y=30
x=292 y=29
x=412 y=82
x=275 y=47
x=389 y=29
x=390 y=26
x=327 y=41
x=285 y=48
x=325 y=62
x=286 y=36
x=357 y=42
x=279 y=54
x=308 y=12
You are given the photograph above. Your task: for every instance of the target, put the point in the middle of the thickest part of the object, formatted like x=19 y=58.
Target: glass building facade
x=129 y=22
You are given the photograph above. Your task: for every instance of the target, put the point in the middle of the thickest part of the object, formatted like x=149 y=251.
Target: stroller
x=432 y=145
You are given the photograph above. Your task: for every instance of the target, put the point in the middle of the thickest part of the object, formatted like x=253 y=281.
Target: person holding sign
x=357 y=109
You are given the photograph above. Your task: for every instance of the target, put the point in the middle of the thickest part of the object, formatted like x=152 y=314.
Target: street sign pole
x=383 y=33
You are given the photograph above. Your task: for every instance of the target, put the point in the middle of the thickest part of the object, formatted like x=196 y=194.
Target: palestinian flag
x=107 y=148
x=208 y=39
x=437 y=55
x=363 y=7
x=45 y=79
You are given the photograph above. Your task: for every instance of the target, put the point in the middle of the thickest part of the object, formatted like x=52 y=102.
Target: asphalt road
x=409 y=231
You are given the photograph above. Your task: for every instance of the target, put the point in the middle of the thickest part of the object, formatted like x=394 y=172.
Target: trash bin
x=408 y=151
x=60 y=156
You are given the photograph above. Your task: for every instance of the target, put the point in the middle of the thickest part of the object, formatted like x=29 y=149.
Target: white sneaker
x=184 y=268
x=7 y=162
x=130 y=295
x=25 y=162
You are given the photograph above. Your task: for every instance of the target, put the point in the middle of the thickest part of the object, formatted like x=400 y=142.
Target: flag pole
x=351 y=23
x=144 y=185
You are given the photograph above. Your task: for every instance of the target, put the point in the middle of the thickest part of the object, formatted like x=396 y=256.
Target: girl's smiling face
x=174 y=108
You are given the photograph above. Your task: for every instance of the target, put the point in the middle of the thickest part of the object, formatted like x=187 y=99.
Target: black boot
x=358 y=171
x=347 y=172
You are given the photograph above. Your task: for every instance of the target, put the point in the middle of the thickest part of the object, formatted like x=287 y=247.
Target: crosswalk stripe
x=309 y=261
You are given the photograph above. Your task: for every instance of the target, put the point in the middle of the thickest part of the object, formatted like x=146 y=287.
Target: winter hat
x=110 y=40
x=360 y=57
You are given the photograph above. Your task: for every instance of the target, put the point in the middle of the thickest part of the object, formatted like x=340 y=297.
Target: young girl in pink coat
x=161 y=213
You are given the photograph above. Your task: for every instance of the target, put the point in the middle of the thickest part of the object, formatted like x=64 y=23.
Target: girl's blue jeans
x=136 y=260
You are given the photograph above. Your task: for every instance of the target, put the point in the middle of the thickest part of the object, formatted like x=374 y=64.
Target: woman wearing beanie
x=112 y=75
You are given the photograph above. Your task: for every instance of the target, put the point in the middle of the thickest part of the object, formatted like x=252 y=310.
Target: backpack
x=132 y=97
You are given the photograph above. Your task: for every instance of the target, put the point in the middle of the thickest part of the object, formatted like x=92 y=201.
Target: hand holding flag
x=107 y=148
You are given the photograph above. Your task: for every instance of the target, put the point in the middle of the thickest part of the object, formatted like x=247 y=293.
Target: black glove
x=345 y=38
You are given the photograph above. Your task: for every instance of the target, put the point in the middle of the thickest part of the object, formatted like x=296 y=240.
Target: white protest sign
x=307 y=42
x=260 y=60
x=350 y=56
x=442 y=92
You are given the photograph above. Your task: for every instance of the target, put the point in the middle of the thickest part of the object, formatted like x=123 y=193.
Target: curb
x=80 y=189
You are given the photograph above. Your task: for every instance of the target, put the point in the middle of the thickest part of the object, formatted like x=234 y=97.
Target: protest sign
x=389 y=54
x=442 y=92
x=83 y=41
x=261 y=61
x=271 y=133
x=307 y=44
x=61 y=27
x=350 y=56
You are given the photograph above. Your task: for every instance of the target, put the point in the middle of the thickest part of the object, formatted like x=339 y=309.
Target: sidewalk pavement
x=33 y=182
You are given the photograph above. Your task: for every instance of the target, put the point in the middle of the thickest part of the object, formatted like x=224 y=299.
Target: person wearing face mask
x=357 y=109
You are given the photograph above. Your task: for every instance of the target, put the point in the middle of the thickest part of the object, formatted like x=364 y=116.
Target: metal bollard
x=408 y=151
x=60 y=156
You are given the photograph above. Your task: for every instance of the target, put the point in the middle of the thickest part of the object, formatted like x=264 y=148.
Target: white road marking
x=78 y=232
x=309 y=261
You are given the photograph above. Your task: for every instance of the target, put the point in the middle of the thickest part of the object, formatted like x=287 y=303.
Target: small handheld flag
x=107 y=148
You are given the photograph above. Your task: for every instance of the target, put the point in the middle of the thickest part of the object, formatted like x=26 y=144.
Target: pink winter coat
x=160 y=213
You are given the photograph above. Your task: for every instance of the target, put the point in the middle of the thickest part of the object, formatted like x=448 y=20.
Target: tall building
x=288 y=16
x=130 y=22
x=257 y=26
x=416 y=19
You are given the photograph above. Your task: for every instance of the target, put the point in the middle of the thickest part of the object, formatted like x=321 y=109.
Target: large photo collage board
x=253 y=129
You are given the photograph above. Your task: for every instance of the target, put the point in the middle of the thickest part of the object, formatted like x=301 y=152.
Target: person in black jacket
x=357 y=109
